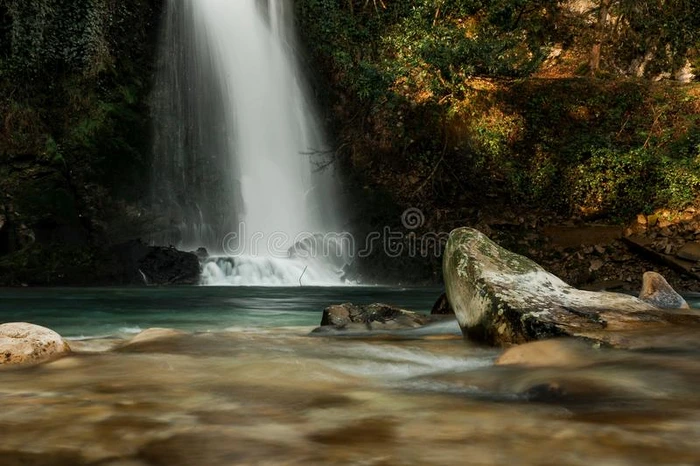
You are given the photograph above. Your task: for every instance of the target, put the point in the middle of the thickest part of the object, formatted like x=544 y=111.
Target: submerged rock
x=371 y=317
x=657 y=292
x=155 y=334
x=27 y=344
x=560 y=352
x=500 y=297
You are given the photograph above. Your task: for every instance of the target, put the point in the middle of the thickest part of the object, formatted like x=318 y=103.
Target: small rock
x=202 y=253
x=338 y=314
x=27 y=344
x=657 y=292
x=641 y=219
x=596 y=265
x=547 y=353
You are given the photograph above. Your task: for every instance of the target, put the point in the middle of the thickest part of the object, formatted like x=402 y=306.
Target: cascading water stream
x=238 y=147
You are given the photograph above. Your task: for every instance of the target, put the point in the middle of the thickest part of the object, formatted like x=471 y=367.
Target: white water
x=267 y=271
x=272 y=146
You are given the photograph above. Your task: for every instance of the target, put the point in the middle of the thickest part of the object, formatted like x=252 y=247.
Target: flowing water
x=248 y=385
x=238 y=150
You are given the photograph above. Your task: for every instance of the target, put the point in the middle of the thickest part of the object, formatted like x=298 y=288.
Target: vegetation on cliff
x=462 y=107
x=75 y=76
x=444 y=101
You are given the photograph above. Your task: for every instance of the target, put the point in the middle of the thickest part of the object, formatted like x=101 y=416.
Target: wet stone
x=370 y=317
x=657 y=291
x=27 y=344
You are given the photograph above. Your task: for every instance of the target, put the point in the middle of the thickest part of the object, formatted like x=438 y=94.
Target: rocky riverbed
x=282 y=398
x=598 y=255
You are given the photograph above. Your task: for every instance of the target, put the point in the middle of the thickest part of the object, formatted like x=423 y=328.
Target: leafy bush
x=614 y=181
x=441 y=92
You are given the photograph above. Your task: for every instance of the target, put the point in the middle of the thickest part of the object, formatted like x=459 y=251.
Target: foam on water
x=267 y=271
x=394 y=363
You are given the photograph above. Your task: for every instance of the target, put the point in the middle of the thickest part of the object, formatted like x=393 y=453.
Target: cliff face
x=75 y=76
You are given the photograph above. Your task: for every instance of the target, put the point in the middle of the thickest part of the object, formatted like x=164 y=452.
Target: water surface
x=249 y=386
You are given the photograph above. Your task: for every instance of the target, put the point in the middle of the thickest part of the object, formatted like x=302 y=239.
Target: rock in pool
x=27 y=344
x=501 y=298
x=371 y=317
x=559 y=352
x=657 y=292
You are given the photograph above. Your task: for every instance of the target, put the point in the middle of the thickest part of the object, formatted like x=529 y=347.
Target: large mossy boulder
x=501 y=298
x=28 y=344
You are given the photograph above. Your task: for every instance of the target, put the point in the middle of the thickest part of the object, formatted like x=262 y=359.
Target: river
x=248 y=385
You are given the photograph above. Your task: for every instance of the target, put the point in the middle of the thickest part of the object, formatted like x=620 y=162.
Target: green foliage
x=608 y=149
x=435 y=45
x=660 y=34
x=55 y=35
x=623 y=182
x=442 y=92
x=681 y=165
x=52 y=153
x=74 y=83
x=627 y=182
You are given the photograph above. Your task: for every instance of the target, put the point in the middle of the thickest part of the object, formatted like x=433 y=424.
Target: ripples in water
x=278 y=396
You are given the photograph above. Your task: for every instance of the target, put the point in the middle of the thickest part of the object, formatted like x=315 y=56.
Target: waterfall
x=238 y=149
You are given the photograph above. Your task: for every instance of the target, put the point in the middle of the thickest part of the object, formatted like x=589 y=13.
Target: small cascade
x=266 y=271
x=238 y=146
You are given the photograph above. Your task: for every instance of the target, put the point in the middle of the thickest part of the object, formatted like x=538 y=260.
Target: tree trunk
x=594 y=63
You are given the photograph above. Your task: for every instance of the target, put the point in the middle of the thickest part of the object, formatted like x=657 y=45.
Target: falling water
x=238 y=148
